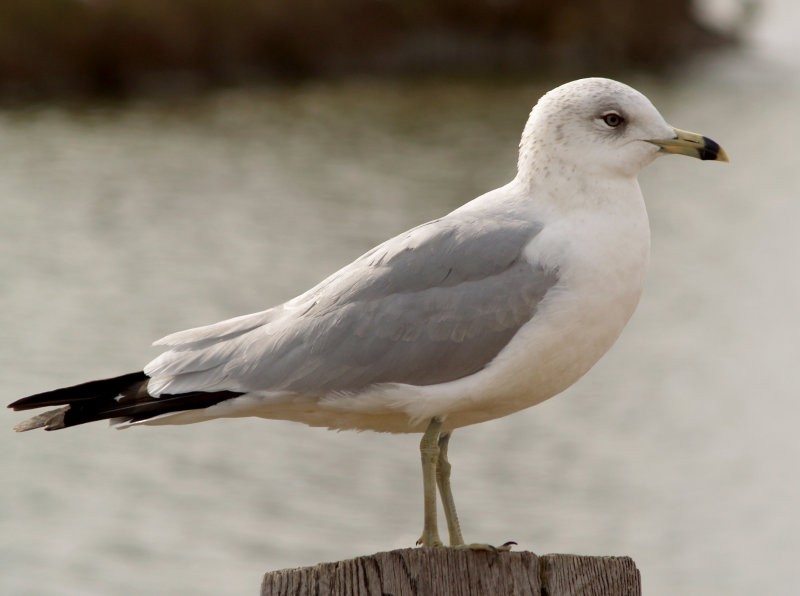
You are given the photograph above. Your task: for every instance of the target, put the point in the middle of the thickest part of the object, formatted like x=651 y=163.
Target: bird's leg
x=443 y=482
x=429 y=451
x=453 y=525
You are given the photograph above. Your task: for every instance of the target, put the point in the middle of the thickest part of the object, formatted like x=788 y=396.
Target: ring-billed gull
x=495 y=307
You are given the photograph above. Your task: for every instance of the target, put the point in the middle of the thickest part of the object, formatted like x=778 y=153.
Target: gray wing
x=429 y=306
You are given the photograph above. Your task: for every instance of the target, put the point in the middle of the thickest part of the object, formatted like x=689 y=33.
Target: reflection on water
x=120 y=225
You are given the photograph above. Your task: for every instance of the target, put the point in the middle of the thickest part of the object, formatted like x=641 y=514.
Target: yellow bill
x=691 y=144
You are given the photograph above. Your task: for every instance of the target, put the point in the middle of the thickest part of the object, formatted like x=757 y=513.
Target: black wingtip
x=81 y=392
x=124 y=398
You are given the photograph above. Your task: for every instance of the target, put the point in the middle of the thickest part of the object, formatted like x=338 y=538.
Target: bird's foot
x=503 y=548
x=436 y=542
x=432 y=540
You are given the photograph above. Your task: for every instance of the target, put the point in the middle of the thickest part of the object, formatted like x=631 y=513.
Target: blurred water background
x=120 y=223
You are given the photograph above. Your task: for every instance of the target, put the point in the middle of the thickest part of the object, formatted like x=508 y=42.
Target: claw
x=435 y=542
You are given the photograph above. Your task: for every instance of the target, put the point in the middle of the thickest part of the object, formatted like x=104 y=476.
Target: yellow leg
x=436 y=472
x=443 y=482
x=429 y=452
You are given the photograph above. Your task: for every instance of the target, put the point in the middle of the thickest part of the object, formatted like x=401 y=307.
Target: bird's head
x=599 y=126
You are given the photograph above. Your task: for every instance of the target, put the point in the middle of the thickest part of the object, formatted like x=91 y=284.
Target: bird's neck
x=561 y=189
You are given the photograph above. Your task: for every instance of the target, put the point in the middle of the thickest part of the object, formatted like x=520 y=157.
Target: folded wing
x=429 y=306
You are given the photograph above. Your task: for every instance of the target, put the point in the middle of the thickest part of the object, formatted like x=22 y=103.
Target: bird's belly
x=545 y=359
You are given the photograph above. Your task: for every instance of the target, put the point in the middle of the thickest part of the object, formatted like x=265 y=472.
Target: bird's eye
x=613 y=119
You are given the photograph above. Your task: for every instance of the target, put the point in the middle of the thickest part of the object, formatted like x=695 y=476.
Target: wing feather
x=429 y=306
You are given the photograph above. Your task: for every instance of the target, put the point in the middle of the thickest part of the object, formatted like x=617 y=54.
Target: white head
x=601 y=126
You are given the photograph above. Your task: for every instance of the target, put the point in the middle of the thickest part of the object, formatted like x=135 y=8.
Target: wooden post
x=444 y=571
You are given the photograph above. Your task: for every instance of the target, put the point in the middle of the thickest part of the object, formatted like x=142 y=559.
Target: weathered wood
x=463 y=572
x=589 y=576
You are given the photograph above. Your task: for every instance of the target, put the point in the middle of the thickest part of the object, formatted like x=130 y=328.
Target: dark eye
x=613 y=119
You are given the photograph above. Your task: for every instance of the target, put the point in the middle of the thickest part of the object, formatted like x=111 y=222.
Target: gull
x=490 y=309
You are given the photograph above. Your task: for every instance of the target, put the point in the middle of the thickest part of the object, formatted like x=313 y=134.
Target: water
x=120 y=225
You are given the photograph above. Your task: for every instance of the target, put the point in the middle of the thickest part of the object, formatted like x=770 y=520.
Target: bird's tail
x=120 y=399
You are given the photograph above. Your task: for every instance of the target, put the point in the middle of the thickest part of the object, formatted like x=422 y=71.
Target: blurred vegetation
x=119 y=47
